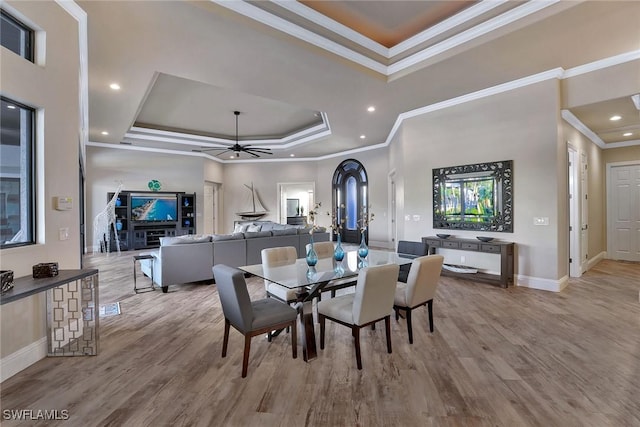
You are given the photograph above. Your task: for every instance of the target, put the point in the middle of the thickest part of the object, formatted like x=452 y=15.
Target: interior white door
x=624 y=213
x=584 y=212
x=575 y=267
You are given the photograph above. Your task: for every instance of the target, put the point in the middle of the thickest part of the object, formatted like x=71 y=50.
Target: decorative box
x=6 y=277
x=45 y=269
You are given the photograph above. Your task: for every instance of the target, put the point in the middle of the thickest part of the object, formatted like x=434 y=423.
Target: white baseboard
x=596 y=259
x=542 y=284
x=23 y=358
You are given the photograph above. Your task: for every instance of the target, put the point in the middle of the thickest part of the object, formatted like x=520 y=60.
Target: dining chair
x=419 y=290
x=274 y=257
x=371 y=302
x=250 y=318
x=412 y=250
x=325 y=250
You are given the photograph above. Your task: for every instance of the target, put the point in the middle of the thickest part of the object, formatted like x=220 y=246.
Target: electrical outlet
x=540 y=220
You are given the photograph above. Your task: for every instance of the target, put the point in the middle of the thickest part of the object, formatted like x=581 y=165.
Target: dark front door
x=350 y=198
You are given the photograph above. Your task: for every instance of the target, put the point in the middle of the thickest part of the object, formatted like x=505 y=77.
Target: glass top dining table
x=300 y=275
x=309 y=282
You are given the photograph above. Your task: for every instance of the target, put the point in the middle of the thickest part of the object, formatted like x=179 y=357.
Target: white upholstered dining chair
x=419 y=290
x=274 y=257
x=371 y=302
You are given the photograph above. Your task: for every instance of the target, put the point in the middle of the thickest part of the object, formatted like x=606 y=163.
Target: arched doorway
x=350 y=198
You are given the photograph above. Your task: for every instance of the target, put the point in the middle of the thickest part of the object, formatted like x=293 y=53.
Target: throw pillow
x=241 y=228
x=253 y=228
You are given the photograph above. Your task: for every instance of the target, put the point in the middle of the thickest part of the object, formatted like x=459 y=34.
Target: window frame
x=30 y=40
x=31 y=173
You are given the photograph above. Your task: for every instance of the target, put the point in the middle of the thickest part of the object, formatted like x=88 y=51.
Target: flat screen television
x=154 y=207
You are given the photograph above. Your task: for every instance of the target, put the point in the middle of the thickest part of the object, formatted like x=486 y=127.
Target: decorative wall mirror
x=474 y=197
x=293 y=207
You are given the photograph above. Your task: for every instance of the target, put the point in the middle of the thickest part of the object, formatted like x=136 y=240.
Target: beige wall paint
x=45 y=87
x=623 y=154
x=265 y=178
x=501 y=127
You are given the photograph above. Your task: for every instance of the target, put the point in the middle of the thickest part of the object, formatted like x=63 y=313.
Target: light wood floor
x=515 y=357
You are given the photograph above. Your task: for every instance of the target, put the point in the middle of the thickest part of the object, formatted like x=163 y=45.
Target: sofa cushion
x=220 y=237
x=252 y=235
x=285 y=232
x=182 y=240
x=279 y=227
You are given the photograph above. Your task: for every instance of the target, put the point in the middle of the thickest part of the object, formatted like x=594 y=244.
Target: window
x=16 y=174
x=16 y=36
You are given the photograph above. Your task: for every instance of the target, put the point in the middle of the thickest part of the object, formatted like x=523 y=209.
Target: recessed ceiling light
x=114 y=86
x=614 y=118
x=232 y=157
x=371 y=109
x=11 y=107
x=627 y=134
x=292 y=155
x=363 y=136
x=104 y=132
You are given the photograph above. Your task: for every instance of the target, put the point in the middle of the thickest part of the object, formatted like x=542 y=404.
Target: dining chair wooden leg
x=387 y=325
x=333 y=293
x=397 y=313
x=321 y=320
x=294 y=340
x=409 y=325
x=356 y=335
x=225 y=340
x=430 y=307
x=245 y=356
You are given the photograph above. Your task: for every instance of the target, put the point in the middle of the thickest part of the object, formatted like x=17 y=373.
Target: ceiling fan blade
x=249 y=152
x=258 y=150
x=221 y=153
x=212 y=149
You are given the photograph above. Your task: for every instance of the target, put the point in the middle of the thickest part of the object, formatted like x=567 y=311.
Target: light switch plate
x=540 y=220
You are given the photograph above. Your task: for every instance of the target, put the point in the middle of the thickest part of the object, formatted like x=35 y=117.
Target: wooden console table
x=72 y=309
x=504 y=249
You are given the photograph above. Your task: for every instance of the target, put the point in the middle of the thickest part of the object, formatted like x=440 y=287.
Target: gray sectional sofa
x=190 y=258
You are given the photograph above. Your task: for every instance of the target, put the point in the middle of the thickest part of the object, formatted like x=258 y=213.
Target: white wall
x=52 y=88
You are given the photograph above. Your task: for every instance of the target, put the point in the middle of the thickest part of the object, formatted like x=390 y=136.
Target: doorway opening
x=296 y=200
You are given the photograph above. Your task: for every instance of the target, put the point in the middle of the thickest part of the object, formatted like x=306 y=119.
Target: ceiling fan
x=237 y=148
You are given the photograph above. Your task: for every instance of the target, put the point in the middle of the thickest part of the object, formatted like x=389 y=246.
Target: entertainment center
x=143 y=217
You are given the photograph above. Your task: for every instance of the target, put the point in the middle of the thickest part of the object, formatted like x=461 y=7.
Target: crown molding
x=448 y=24
x=470 y=34
x=294 y=30
x=303 y=136
x=334 y=26
x=570 y=118
x=602 y=63
x=244 y=8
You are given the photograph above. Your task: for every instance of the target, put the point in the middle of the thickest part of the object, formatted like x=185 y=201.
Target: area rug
x=111 y=309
